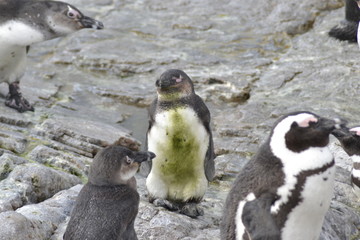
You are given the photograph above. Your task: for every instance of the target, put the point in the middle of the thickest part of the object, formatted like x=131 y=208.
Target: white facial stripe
x=240 y=228
x=355 y=159
x=356 y=130
x=356 y=173
x=294 y=163
x=307 y=121
x=18 y=33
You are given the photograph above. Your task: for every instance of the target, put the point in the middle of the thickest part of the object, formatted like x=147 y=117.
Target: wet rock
x=75 y=164
x=84 y=135
x=13 y=141
x=38 y=221
x=33 y=183
x=251 y=62
x=8 y=162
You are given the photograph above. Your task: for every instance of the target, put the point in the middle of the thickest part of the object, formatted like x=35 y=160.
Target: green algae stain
x=182 y=163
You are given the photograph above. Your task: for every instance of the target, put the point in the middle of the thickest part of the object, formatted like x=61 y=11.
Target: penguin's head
x=116 y=165
x=54 y=18
x=64 y=18
x=349 y=139
x=300 y=131
x=174 y=84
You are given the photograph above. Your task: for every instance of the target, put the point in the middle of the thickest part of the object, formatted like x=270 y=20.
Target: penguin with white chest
x=24 y=22
x=179 y=134
x=107 y=205
x=350 y=142
x=284 y=191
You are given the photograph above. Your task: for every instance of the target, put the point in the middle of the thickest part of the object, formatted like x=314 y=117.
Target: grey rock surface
x=250 y=61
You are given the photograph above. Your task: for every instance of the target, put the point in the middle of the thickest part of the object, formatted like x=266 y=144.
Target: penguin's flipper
x=204 y=114
x=258 y=220
x=145 y=167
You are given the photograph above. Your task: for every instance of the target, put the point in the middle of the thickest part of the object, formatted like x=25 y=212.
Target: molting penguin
x=179 y=134
x=108 y=204
x=347 y=29
x=24 y=22
x=350 y=142
x=284 y=191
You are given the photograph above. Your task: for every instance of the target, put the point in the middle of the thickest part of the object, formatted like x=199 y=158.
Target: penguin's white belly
x=12 y=62
x=306 y=219
x=180 y=142
x=15 y=36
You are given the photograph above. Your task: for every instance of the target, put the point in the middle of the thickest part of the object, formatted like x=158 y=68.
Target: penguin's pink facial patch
x=356 y=130
x=306 y=122
x=72 y=13
x=179 y=79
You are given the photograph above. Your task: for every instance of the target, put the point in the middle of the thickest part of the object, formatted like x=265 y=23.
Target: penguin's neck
x=18 y=33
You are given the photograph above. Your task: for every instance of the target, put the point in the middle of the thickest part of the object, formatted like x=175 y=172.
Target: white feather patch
x=294 y=163
x=355 y=159
x=306 y=219
x=240 y=228
x=18 y=33
x=356 y=173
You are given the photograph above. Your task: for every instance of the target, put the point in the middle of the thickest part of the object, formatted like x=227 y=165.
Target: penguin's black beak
x=331 y=124
x=340 y=133
x=88 y=22
x=163 y=83
x=144 y=156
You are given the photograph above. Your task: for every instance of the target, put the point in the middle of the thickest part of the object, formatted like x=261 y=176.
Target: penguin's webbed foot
x=166 y=204
x=15 y=100
x=192 y=210
x=345 y=31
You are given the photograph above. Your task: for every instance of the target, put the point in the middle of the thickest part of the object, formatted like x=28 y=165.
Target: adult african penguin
x=347 y=29
x=24 y=22
x=284 y=191
x=350 y=142
x=179 y=134
x=108 y=204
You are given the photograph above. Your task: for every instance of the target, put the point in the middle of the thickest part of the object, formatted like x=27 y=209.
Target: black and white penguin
x=24 y=22
x=348 y=28
x=108 y=204
x=179 y=134
x=284 y=191
x=350 y=142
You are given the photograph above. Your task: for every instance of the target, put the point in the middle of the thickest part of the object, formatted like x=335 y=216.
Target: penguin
x=350 y=142
x=179 y=134
x=348 y=28
x=284 y=191
x=24 y=22
x=107 y=205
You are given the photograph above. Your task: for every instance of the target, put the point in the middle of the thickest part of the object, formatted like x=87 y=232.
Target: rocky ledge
x=250 y=61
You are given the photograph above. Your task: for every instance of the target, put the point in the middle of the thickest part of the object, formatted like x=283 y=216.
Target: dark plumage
x=350 y=142
x=108 y=204
x=277 y=194
x=346 y=30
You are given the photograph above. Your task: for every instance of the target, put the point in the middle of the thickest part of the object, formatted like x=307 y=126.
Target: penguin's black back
x=104 y=213
x=254 y=177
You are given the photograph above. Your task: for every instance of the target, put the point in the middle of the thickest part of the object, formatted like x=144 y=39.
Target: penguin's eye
x=128 y=160
x=72 y=13
x=178 y=79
